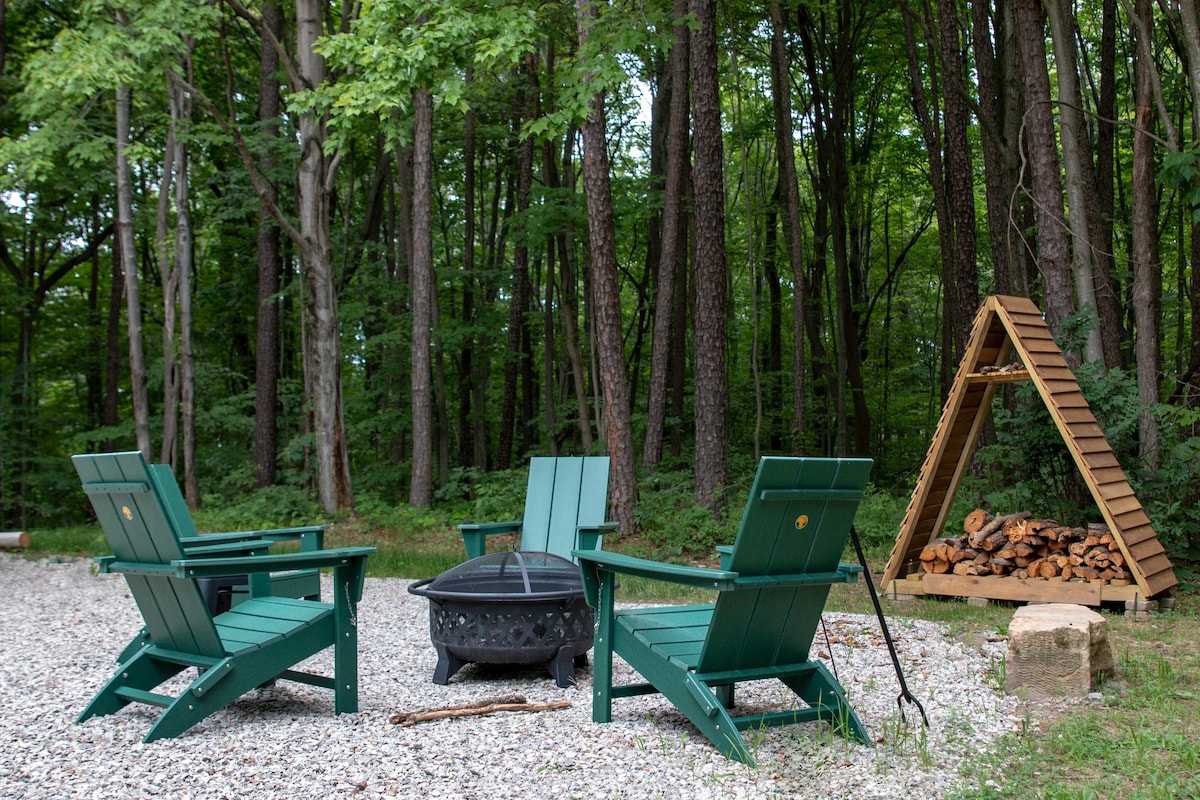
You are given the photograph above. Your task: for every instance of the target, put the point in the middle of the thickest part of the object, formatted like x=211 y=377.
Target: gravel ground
x=62 y=627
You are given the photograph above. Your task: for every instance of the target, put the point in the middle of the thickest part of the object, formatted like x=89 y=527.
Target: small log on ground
x=514 y=702
x=14 y=540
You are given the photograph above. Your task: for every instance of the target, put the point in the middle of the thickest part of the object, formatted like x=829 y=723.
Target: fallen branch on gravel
x=514 y=702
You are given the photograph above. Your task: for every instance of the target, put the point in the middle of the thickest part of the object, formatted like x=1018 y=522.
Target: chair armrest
x=311 y=537
x=475 y=534
x=491 y=527
x=249 y=547
x=796 y=579
x=206 y=539
x=598 y=561
x=228 y=553
x=207 y=567
x=852 y=571
x=591 y=537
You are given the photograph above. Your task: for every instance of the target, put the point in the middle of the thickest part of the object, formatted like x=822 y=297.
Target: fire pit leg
x=447 y=665
x=562 y=666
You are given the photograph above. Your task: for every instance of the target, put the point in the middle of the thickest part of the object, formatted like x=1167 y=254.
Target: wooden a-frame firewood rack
x=1008 y=329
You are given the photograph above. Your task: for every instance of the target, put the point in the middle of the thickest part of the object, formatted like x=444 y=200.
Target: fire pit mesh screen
x=505 y=608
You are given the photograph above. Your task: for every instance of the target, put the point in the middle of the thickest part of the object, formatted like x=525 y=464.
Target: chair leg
x=141 y=640
x=712 y=718
x=140 y=673
x=821 y=691
x=345 y=639
x=602 y=646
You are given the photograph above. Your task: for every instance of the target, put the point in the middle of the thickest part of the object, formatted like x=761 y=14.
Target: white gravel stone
x=62 y=626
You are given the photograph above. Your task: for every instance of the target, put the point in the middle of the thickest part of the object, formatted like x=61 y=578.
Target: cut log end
x=14 y=540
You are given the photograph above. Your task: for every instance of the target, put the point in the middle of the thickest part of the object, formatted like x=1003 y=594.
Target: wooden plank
x=1071 y=400
x=1101 y=460
x=1056 y=372
x=1121 y=594
x=1161 y=581
x=1036 y=349
x=1144 y=552
x=1017 y=376
x=1086 y=429
x=1009 y=588
x=1106 y=475
x=1073 y=416
x=1124 y=505
x=1113 y=491
x=1155 y=564
x=1088 y=446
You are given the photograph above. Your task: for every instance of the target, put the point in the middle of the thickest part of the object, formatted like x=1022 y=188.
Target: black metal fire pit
x=509 y=608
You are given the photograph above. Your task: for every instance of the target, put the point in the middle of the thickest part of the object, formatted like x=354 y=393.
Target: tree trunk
x=420 y=493
x=607 y=299
x=323 y=350
x=789 y=207
x=1053 y=250
x=1147 y=270
x=672 y=219
x=570 y=317
x=927 y=112
x=270 y=264
x=1108 y=306
x=125 y=245
x=999 y=118
x=521 y=290
x=1077 y=161
x=466 y=355
x=169 y=275
x=112 y=349
x=711 y=276
x=184 y=264
x=959 y=182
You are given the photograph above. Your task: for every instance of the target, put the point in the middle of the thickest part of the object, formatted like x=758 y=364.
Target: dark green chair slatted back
x=795 y=523
x=563 y=494
x=121 y=489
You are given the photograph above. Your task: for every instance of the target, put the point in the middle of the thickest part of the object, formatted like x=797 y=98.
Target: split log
x=1001 y=566
x=977 y=538
x=964 y=554
x=994 y=541
x=976 y=520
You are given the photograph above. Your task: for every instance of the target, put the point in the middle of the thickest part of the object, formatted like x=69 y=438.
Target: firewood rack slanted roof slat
x=1008 y=328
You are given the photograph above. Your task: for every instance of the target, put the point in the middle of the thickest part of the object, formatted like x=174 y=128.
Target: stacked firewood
x=1016 y=545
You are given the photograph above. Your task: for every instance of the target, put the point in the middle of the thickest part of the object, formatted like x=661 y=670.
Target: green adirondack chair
x=566 y=501
x=771 y=589
x=257 y=642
